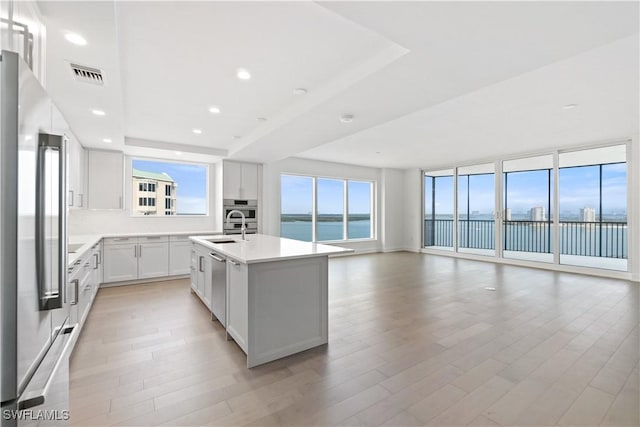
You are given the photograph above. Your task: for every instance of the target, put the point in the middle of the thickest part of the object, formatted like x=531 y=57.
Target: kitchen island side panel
x=288 y=308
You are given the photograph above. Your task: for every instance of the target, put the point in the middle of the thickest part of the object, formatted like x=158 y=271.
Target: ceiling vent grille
x=87 y=74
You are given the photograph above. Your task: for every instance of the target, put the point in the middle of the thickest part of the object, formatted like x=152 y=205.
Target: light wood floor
x=414 y=340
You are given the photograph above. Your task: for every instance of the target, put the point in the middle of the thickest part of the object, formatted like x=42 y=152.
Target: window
x=296 y=207
x=342 y=210
x=185 y=187
x=359 y=224
x=329 y=217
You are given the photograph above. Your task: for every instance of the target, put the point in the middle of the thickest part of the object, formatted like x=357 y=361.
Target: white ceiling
x=429 y=83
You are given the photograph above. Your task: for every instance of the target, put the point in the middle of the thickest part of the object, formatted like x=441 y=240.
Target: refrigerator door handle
x=50 y=297
x=39 y=397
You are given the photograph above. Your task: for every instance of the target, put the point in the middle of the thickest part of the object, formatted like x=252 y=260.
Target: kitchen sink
x=221 y=241
x=74 y=247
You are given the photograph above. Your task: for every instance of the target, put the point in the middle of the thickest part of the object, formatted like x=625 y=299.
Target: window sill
x=333 y=242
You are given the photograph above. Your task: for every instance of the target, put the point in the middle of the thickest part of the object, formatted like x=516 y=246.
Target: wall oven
x=250 y=210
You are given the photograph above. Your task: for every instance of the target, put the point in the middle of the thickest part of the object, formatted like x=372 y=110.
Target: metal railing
x=594 y=239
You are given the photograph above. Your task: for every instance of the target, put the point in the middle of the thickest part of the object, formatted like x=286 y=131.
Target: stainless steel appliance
x=219 y=287
x=35 y=297
x=250 y=210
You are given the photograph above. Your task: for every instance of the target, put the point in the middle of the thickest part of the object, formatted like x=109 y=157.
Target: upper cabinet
x=76 y=168
x=23 y=31
x=240 y=180
x=106 y=179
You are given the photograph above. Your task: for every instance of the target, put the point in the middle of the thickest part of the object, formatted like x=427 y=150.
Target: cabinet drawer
x=119 y=240
x=179 y=238
x=153 y=239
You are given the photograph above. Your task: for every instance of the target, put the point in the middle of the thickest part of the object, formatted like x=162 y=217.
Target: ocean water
x=327 y=230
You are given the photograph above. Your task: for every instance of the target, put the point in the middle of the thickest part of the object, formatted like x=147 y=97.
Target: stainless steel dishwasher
x=219 y=288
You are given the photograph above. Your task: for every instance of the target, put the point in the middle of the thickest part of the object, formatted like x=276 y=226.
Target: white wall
x=413 y=209
x=633 y=211
x=388 y=198
x=393 y=215
x=86 y=221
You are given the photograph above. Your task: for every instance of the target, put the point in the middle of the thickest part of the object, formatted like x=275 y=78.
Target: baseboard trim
x=144 y=281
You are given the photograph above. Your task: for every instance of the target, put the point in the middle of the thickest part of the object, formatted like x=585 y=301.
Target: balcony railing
x=593 y=239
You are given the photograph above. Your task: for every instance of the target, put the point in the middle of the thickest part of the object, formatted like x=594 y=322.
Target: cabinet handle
x=234 y=262
x=135 y=251
x=120 y=202
x=217 y=258
x=76 y=290
x=200 y=258
x=96 y=260
x=139 y=251
x=71 y=197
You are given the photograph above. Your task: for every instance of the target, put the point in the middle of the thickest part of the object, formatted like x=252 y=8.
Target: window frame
x=345 y=207
x=129 y=187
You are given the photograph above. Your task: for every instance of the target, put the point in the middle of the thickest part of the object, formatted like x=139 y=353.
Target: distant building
x=537 y=214
x=507 y=214
x=588 y=214
x=153 y=193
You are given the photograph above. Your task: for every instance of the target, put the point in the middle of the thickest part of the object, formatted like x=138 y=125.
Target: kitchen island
x=275 y=292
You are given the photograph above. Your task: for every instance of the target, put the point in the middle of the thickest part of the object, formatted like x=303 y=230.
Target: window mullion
x=345 y=210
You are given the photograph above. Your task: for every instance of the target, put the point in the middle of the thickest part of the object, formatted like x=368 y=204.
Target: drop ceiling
x=428 y=83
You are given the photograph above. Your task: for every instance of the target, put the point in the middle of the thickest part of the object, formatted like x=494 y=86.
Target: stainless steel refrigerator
x=35 y=296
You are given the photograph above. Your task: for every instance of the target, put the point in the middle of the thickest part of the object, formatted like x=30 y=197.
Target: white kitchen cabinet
x=134 y=258
x=106 y=179
x=240 y=180
x=153 y=260
x=76 y=174
x=120 y=262
x=179 y=255
x=238 y=302
x=201 y=275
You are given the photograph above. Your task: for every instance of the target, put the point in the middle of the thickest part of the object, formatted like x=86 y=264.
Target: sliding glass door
x=439 y=209
x=593 y=208
x=476 y=205
x=569 y=207
x=528 y=208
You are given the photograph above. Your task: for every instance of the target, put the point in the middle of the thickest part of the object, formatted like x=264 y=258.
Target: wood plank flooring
x=413 y=340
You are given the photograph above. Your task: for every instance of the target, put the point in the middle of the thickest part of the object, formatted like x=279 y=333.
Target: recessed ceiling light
x=300 y=91
x=196 y=131
x=98 y=112
x=178 y=153
x=214 y=109
x=262 y=119
x=107 y=140
x=76 y=39
x=28 y=138
x=570 y=106
x=243 y=74
x=346 y=118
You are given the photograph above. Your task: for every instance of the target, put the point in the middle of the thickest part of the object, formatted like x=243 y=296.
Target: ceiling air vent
x=87 y=74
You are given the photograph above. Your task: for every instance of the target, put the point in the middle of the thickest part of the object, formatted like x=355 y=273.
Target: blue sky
x=191 y=180
x=297 y=196
x=578 y=188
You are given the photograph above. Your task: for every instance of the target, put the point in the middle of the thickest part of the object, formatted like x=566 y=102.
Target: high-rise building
x=588 y=214
x=537 y=214
x=154 y=193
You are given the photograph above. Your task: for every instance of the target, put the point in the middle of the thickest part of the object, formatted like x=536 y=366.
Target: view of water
x=327 y=230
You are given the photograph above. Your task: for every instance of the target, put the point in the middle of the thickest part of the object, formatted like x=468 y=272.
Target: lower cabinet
x=120 y=262
x=179 y=256
x=144 y=257
x=201 y=274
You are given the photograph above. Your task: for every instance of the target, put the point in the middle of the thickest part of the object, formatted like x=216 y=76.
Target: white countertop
x=265 y=248
x=89 y=240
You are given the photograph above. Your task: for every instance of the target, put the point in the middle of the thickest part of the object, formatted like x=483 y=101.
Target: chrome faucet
x=244 y=228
